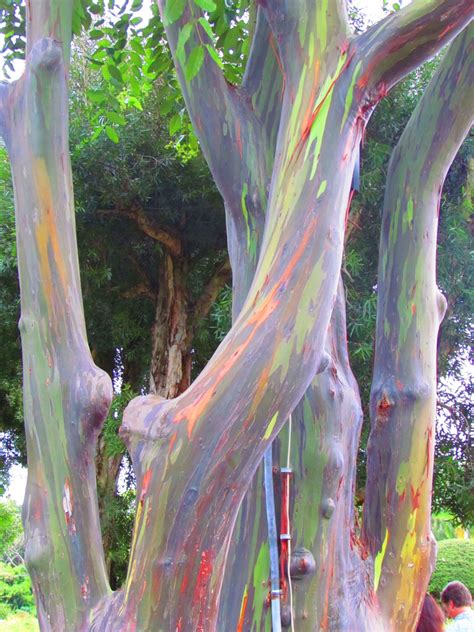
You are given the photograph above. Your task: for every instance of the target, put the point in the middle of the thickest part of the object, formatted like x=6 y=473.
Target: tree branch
x=211 y=291
x=209 y=87
x=138 y=215
x=140 y=289
x=404 y=40
x=223 y=116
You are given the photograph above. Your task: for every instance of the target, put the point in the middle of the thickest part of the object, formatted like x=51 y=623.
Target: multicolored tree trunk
x=282 y=149
x=66 y=396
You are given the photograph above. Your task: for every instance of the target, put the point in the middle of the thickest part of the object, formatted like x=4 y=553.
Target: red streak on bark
x=413 y=309
x=179 y=624
x=240 y=625
x=145 y=484
x=446 y=30
x=307 y=114
x=280 y=65
x=202 y=586
x=184 y=584
x=305 y=132
x=415 y=497
x=85 y=588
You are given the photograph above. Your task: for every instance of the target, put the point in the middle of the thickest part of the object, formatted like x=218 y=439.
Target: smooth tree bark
x=281 y=148
x=397 y=528
x=66 y=396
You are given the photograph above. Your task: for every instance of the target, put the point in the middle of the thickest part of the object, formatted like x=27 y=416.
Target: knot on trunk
x=327 y=508
x=96 y=390
x=285 y=616
x=46 y=54
x=38 y=551
x=397 y=392
x=303 y=564
x=145 y=420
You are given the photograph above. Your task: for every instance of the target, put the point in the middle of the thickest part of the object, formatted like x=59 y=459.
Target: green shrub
x=15 y=588
x=455 y=562
x=5 y=611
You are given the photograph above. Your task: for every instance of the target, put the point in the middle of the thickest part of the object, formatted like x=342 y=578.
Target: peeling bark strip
x=282 y=148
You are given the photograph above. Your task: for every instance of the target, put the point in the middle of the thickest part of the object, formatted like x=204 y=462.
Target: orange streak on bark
x=240 y=625
x=307 y=114
x=46 y=232
x=145 y=484
x=172 y=442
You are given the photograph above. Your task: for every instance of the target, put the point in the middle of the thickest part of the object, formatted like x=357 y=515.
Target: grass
x=20 y=622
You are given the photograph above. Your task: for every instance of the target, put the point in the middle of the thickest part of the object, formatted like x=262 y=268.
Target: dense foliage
x=455 y=562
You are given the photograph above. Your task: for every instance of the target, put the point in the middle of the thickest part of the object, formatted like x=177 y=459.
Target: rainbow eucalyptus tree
x=281 y=147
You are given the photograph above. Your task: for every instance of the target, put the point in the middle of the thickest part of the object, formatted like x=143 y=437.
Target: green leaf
x=206 y=5
x=112 y=134
x=214 y=55
x=207 y=27
x=194 y=63
x=115 y=117
x=137 y=47
x=174 y=10
x=115 y=73
x=96 y=96
x=184 y=35
x=174 y=124
x=135 y=102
